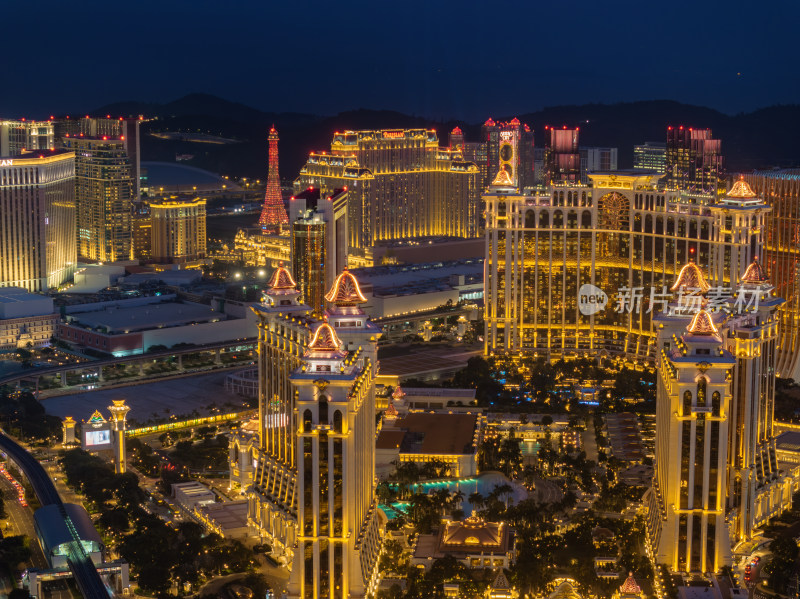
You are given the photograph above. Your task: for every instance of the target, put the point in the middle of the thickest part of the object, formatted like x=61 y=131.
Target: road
x=89 y=582
x=590 y=441
x=21 y=520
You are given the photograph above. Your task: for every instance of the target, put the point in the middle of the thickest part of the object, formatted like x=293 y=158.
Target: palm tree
x=477 y=501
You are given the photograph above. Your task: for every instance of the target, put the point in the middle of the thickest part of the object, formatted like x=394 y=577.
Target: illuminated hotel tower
x=338 y=538
x=284 y=328
x=37 y=220
x=688 y=528
x=104 y=193
x=624 y=236
x=273 y=214
x=716 y=477
x=781 y=190
x=316 y=393
x=400 y=184
x=756 y=491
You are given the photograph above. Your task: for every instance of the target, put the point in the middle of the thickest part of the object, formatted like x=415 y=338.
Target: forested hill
x=764 y=138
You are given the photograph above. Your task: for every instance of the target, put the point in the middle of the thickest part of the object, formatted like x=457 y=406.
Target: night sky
x=431 y=58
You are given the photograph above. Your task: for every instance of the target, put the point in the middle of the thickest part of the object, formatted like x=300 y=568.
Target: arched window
x=648 y=224
x=693 y=229
x=715 y=402
x=544 y=219
x=337 y=421
x=530 y=219
x=308 y=418
x=687 y=402
x=558 y=217
x=586 y=219
x=572 y=219
x=322 y=409
x=659 y=225
x=701 y=391
x=704 y=230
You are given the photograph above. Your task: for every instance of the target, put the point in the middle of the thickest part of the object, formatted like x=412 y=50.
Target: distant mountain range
x=761 y=139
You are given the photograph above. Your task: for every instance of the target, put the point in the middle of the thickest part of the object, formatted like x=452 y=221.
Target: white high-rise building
x=313 y=494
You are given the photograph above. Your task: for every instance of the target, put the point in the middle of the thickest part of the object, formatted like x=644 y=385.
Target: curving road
x=83 y=569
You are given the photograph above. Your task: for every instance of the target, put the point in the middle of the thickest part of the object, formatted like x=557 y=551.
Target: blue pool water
x=483 y=484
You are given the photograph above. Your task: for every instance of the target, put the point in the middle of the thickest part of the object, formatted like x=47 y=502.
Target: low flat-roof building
x=228 y=518
x=192 y=494
x=473 y=542
x=425 y=437
x=425 y=398
x=25 y=318
x=130 y=330
x=407 y=289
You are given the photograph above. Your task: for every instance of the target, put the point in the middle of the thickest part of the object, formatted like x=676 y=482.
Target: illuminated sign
x=506 y=135
x=393 y=134
x=94 y=438
x=6 y=162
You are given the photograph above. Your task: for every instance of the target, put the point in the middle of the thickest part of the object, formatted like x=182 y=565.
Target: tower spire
x=273 y=214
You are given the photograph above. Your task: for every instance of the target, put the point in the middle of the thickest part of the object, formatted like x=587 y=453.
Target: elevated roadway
x=83 y=569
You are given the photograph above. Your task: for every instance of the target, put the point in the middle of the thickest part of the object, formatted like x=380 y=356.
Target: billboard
x=93 y=438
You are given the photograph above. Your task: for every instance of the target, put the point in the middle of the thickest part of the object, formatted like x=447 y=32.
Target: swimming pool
x=483 y=484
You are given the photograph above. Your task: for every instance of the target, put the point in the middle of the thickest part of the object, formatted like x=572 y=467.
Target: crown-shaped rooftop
x=324 y=339
x=741 y=189
x=281 y=279
x=345 y=290
x=691 y=277
x=503 y=179
x=755 y=274
x=702 y=324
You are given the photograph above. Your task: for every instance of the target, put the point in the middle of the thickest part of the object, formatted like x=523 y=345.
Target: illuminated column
x=69 y=430
x=118 y=412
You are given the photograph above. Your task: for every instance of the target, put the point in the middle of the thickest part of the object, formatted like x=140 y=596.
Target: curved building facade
x=581 y=270
x=781 y=190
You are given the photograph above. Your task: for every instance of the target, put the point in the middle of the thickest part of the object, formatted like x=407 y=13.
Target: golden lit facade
x=178 y=229
x=313 y=493
x=104 y=193
x=284 y=328
x=37 y=220
x=716 y=477
x=17 y=137
x=400 y=185
x=256 y=248
x=781 y=190
x=557 y=264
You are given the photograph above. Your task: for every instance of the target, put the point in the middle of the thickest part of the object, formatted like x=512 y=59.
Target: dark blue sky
x=434 y=58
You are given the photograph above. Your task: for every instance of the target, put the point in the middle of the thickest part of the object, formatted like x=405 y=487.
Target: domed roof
x=503 y=179
x=514 y=122
x=456 y=131
x=755 y=273
x=741 y=189
x=281 y=279
x=702 y=324
x=489 y=122
x=398 y=393
x=324 y=339
x=391 y=411
x=691 y=277
x=629 y=587
x=345 y=290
